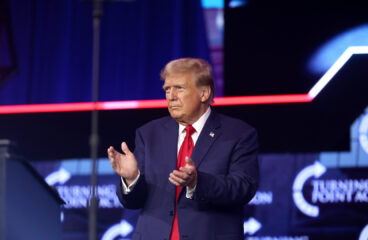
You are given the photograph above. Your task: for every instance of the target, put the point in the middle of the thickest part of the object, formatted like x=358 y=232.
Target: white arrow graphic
x=251 y=226
x=121 y=229
x=59 y=176
x=316 y=170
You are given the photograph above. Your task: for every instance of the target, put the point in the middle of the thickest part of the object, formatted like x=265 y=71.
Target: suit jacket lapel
x=210 y=132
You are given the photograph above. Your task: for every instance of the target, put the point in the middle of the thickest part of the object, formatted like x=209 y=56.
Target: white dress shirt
x=198 y=126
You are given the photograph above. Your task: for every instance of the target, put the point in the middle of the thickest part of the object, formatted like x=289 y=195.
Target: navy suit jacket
x=225 y=156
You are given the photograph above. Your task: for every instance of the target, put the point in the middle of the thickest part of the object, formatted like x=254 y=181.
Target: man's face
x=184 y=98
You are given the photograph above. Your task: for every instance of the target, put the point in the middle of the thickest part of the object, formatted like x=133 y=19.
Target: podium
x=29 y=208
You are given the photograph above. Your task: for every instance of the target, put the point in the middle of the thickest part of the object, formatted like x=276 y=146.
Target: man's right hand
x=125 y=165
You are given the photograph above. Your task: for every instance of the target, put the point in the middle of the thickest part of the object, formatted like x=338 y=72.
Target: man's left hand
x=186 y=176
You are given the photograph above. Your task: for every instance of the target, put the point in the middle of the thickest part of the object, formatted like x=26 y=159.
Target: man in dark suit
x=191 y=173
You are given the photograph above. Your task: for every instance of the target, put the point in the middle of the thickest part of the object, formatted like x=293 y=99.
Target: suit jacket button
x=171 y=213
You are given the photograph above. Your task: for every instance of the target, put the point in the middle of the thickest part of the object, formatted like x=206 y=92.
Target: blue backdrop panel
x=298 y=199
x=53 y=48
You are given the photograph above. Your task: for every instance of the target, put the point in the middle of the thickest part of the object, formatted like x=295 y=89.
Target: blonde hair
x=200 y=68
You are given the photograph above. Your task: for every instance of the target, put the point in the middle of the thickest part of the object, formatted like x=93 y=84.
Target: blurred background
x=313 y=156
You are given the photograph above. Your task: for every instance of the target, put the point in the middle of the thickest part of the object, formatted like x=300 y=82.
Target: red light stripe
x=40 y=108
x=266 y=99
x=138 y=104
x=144 y=104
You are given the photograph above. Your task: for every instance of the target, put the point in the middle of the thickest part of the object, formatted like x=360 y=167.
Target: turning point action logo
x=327 y=191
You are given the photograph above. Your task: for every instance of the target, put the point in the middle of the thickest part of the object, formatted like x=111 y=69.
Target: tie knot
x=190 y=130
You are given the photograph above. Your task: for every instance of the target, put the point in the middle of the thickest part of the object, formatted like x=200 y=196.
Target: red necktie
x=185 y=151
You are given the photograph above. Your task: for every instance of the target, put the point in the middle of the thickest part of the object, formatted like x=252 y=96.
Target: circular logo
x=315 y=170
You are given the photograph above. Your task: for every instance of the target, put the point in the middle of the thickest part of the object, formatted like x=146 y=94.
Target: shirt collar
x=199 y=124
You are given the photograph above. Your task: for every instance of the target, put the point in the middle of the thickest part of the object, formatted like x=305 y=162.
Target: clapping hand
x=185 y=176
x=125 y=165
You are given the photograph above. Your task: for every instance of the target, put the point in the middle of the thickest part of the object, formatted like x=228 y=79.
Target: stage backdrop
x=50 y=45
x=303 y=196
